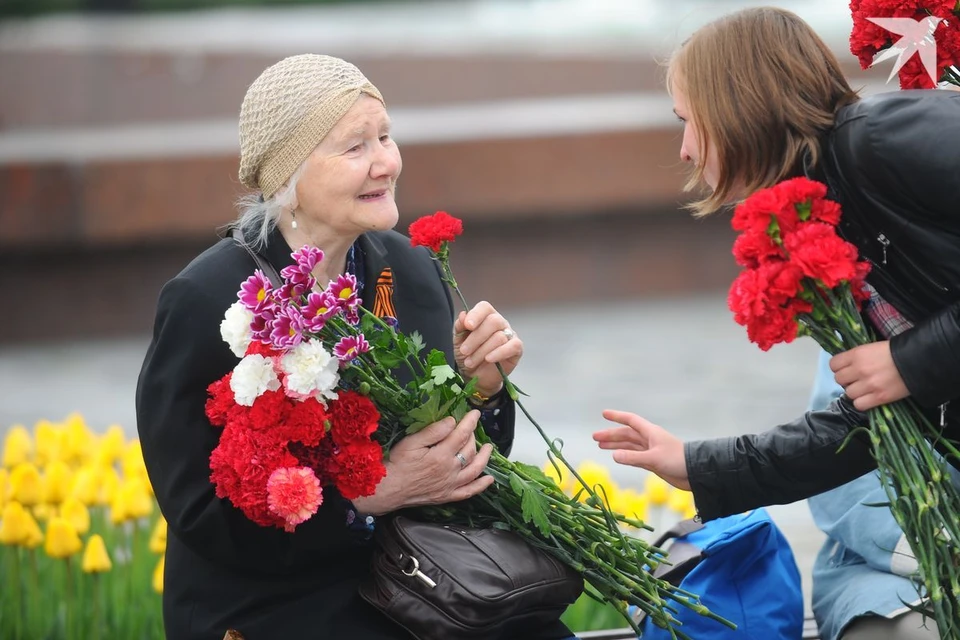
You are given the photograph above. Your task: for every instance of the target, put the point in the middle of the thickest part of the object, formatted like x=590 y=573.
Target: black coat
x=223 y=571
x=892 y=162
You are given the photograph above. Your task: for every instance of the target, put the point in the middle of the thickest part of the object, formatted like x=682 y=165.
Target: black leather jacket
x=892 y=161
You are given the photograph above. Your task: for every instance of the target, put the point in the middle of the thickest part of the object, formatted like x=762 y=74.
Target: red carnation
x=822 y=254
x=751 y=249
x=761 y=300
x=306 y=423
x=797 y=190
x=221 y=401
x=258 y=348
x=361 y=469
x=354 y=418
x=269 y=410
x=433 y=231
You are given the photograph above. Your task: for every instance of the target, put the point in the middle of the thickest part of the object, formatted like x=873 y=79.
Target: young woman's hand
x=640 y=443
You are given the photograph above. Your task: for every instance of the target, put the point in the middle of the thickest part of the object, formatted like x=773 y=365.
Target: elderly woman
x=316 y=148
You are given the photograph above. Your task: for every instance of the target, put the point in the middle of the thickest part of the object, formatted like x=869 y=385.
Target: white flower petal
x=235 y=328
x=251 y=378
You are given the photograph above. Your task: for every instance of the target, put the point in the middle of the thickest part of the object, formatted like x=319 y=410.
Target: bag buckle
x=415 y=572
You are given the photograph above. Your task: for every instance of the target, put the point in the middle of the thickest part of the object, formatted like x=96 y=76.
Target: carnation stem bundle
x=801 y=278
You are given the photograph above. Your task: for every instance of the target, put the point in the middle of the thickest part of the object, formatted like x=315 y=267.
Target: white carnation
x=235 y=328
x=311 y=370
x=251 y=377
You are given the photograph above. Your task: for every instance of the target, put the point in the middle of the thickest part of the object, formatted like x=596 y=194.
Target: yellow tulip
x=158 y=539
x=657 y=489
x=111 y=446
x=26 y=484
x=76 y=512
x=680 y=500
x=17 y=446
x=44 y=511
x=133 y=466
x=631 y=504
x=50 y=439
x=136 y=498
x=158 y=576
x=13 y=524
x=118 y=508
x=95 y=557
x=86 y=485
x=5 y=491
x=34 y=535
x=56 y=482
x=62 y=540
x=597 y=478
x=109 y=485
x=78 y=440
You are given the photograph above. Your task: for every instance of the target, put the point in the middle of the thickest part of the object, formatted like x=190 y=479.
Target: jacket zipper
x=943 y=413
x=885 y=242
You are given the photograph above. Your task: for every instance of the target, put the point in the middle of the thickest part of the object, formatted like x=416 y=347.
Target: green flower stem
x=921 y=498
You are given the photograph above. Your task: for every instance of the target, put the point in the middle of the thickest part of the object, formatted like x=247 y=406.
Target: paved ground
x=681 y=362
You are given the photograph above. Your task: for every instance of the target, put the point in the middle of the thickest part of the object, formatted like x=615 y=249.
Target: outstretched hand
x=640 y=443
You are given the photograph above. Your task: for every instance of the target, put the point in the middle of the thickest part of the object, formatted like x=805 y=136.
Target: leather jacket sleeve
x=785 y=464
x=928 y=358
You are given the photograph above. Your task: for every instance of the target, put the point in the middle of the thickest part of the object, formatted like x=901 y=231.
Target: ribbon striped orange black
x=383 y=302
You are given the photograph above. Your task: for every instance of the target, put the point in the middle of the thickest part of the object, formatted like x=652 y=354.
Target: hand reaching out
x=640 y=443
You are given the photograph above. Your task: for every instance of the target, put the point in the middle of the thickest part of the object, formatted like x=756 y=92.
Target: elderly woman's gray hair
x=286 y=113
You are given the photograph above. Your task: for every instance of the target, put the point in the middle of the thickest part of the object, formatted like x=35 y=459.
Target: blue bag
x=743 y=569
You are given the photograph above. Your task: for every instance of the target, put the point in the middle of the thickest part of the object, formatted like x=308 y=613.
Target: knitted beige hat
x=288 y=110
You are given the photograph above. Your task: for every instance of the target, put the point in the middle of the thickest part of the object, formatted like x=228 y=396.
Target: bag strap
x=262 y=262
x=682 y=528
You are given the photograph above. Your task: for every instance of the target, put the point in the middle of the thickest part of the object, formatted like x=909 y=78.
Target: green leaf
x=424 y=414
x=442 y=373
x=415 y=343
x=535 y=473
x=534 y=507
x=460 y=410
x=436 y=358
x=517 y=484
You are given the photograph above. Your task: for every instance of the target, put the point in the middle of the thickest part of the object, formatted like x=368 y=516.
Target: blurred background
x=544 y=124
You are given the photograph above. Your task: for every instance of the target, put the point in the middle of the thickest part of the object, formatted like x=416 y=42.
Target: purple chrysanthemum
x=352 y=315
x=262 y=324
x=350 y=347
x=287 y=328
x=308 y=258
x=320 y=307
x=292 y=291
x=345 y=291
x=255 y=292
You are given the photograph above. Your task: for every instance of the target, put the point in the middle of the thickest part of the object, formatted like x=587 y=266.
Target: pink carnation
x=294 y=494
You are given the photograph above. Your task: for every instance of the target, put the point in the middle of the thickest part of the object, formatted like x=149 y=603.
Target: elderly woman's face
x=348 y=183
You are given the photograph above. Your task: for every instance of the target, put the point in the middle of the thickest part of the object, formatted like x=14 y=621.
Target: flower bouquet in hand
x=315 y=402
x=801 y=278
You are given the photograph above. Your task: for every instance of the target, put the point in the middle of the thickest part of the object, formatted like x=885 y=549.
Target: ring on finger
x=510 y=333
x=462 y=459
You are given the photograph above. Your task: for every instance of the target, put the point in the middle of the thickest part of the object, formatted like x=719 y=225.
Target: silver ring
x=510 y=333
x=460 y=457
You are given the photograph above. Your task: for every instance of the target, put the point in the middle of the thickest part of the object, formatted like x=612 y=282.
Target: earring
x=293 y=214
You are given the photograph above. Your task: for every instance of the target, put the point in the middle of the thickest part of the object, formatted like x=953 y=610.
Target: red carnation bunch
x=867 y=39
x=274 y=457
x=433 y=231
x=796 y=265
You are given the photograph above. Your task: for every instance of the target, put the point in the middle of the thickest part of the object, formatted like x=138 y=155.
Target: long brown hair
x=762 y=88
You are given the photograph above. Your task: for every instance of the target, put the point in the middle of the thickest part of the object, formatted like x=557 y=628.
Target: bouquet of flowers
x=801 y=278
x=868 y=39
x=315 y=402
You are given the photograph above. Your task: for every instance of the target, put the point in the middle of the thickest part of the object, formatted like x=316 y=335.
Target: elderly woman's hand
x=482 y=339
x=436 y=465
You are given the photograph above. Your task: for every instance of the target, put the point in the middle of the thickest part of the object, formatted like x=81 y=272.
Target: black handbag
x=445 y=581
